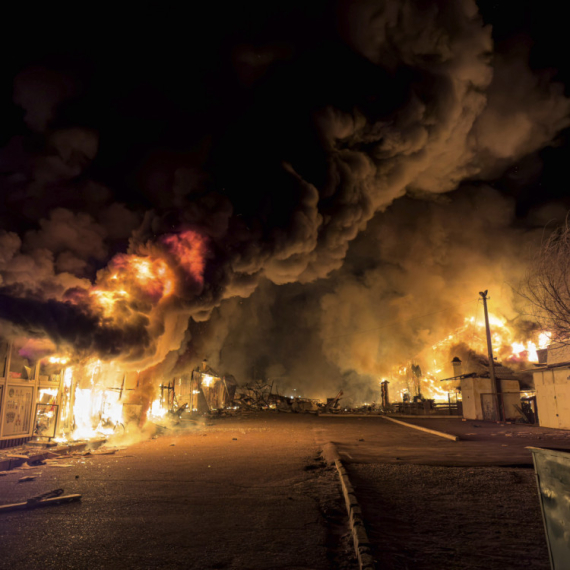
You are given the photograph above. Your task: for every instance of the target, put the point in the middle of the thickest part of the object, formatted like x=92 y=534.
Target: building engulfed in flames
x=48 y=394
x=50 y=398
x=425 y=375
x=47 y=397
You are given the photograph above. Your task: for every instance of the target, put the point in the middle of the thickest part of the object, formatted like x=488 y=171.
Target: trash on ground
x=50 y=498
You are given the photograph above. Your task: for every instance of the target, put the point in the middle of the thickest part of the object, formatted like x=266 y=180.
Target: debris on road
x=50 y=498
x=26 y=479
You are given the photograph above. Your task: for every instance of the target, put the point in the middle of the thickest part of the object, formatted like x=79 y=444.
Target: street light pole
x=495 y=381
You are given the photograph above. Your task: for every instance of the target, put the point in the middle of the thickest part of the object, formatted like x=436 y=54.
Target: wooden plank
x=39 y=504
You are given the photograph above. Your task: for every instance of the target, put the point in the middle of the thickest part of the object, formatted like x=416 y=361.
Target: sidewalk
x=376 y=440
x=476 y=430
x=430 y=503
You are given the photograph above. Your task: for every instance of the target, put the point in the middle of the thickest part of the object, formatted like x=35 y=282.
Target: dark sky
x=169 y=84
x=278 y=132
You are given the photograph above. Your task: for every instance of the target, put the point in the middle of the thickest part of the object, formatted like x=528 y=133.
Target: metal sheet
x=552 y=467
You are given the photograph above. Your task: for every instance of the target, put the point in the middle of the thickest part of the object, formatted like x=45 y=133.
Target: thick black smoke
x=275 y=135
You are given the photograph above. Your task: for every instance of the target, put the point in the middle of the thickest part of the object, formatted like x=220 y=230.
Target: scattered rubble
x=26 y=479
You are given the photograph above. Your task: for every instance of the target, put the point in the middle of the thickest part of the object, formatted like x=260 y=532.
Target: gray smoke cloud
x=407 y=282
x=439 y=108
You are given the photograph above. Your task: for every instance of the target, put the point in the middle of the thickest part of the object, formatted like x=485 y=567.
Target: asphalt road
x=371 y=439
x=252 y=493
x=248 y=493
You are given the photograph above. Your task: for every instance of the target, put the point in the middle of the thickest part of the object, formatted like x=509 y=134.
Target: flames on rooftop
x=424 y=373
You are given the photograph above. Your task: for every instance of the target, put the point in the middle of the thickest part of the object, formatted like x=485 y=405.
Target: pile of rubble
x=33 y=456
x=259 y=396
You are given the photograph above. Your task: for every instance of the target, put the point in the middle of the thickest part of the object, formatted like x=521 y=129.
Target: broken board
x=39 y=504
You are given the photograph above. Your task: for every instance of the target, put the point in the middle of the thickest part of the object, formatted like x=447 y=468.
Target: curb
x=428 y=417
x=359 y=535
x=427 y=430
x=349 y=415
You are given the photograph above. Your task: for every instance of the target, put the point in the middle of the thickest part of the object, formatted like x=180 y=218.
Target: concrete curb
x=349 y=415
x=359 y=535
x=430 y=417
x=427 y=430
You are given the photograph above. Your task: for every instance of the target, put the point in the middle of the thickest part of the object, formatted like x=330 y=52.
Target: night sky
x=325 y=152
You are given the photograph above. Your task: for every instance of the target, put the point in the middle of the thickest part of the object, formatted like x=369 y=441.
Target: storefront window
x=50 y=371
x=22 y=362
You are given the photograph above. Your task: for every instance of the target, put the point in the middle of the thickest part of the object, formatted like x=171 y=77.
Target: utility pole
x=495 y=381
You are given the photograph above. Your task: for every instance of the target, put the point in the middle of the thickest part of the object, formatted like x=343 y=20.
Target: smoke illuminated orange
x=435 y=361
x=189 y=248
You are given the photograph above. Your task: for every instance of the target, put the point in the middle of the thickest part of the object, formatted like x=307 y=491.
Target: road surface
x=252 y=493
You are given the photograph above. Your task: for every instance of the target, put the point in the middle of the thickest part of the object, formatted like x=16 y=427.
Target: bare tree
x=547 y=285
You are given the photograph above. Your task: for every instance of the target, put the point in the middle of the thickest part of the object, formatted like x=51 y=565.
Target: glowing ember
x=157 y=410
x=207 y=380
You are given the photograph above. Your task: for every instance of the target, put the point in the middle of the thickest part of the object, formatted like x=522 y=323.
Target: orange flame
x=189 y=249
x=435 y=363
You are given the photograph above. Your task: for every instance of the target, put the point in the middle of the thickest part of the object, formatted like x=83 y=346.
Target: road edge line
x=355 y=521
x=427 y=430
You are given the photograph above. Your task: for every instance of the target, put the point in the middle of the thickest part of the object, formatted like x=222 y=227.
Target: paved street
x=252 y=493
x=239 y=494
x=371 y=439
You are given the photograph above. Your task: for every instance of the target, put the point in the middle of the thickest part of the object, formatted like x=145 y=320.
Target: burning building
x=182 y=224
x=201 y=391
x=469 y=389
x=51 y=398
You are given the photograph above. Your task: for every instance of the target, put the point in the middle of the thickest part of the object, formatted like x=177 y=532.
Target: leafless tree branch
x=547 y=285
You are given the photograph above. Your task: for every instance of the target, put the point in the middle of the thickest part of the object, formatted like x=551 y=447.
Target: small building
x=480 y=401
x=46 y=397
x=205 y=390
x=28 y=388
x=478 y=393
x=552 y=385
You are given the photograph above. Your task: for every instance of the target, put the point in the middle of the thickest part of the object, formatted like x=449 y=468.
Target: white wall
x=472 y=388
x=553 y=397
x=557 y=354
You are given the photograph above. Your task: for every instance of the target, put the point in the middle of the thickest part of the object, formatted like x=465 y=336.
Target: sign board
x=18 y=410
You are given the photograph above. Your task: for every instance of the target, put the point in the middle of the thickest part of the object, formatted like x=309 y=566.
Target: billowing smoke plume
x=407 y=282
x=279 y=161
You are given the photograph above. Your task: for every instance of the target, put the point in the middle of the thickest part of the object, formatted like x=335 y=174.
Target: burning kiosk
x=46 y=397
x=203 y=390
x=211 y=390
